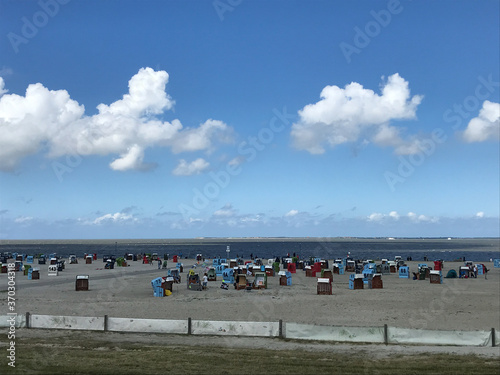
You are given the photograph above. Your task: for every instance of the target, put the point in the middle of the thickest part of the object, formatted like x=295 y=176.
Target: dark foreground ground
x=83 y=352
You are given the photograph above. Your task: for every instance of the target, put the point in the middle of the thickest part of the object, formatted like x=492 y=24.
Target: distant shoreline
x=224 y=240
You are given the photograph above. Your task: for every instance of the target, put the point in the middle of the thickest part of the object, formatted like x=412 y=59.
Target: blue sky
x=181 y=119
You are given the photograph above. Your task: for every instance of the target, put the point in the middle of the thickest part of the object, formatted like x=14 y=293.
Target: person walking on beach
x=159 y=263
x=485 y=273
x=205 y=281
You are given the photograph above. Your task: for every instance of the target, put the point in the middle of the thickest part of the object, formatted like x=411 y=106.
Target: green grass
x=67 y=356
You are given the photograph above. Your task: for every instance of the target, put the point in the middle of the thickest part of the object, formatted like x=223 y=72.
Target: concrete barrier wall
x=20 y=321
x=148 y=325
x=329 y=333
x=210 y=327
x=433 y=337
x=67 y=322
x=298 y=331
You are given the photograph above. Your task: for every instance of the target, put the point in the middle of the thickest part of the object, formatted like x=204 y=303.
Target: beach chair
x=327 y=274
x=404 y=272
x=422 y=273
x=218 y=269
x=480 y=269
x=211 y=274
x=350 y=266
x=18 y=266
x=309 y=271
x=241 y=281
x=356 y=281
x=82 y=282
x=194 y=282
x=255 y=268
x=368 y=277
x=260 y=281
x=341 y=269
x=285 y=278
x=335 y=268
x=393 y=267
x=386 y=269
x=269 y=271
x=167 y=284
x=377 y=281
x=436 y=277
x=438 y=265
x=291 y=267
x=228 y=276
x=34 y=273
x=174 y=273
x=464 y=272
x=324 y=286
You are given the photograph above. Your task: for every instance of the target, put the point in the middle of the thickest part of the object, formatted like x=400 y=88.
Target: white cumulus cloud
x=394 y=215
x=291 y=213
x=376 y=216
x=348 y=114
x=2 y=87
x=226 y=211
x=46 y=119
x=480 y=214
x=187 y=169
x=23 y=219
x=486 y=126
x=421 y=218
x=113 y=218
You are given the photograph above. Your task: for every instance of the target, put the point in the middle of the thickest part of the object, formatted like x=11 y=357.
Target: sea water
x=480 y=249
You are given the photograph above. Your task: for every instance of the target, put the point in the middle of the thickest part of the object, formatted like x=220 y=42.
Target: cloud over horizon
x=187 y=169
x=486 y=126
x=352 y=113
x=50 y=120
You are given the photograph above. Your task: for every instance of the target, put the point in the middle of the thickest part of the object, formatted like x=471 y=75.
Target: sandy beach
x=463 y=304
